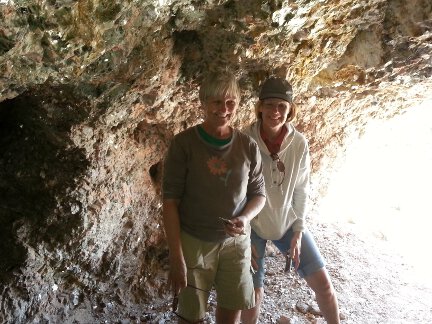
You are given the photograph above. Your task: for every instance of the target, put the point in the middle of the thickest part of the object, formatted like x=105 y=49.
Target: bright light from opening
x=385 y=185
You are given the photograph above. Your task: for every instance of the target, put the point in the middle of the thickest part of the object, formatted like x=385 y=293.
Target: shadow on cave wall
x=38 y=165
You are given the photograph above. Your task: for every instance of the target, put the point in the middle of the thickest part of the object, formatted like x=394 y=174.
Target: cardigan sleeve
x=301 y=192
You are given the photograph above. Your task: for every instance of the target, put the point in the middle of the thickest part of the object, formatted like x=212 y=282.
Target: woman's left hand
x=296 y=248
x=236 y=226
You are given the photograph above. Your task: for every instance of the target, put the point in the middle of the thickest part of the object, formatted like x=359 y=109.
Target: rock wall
x=91 y=91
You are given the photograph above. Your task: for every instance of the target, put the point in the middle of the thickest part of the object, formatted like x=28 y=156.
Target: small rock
x=283 y=320
x=314 y=309
x=302 y=307
x=342 y=316
x=270 y=251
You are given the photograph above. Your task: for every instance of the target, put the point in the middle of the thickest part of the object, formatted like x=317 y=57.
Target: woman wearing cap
x=286 y=169
x=212 y=187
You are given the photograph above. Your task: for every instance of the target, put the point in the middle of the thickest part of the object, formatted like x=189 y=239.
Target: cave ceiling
x=91 y=92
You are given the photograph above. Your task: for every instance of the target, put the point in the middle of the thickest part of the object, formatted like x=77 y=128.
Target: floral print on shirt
x=218 y=167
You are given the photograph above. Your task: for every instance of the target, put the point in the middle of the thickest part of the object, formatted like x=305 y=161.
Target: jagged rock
x=92 y=91
x=314 y=309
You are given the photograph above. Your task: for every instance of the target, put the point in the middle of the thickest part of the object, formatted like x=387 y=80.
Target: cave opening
x=383 y=186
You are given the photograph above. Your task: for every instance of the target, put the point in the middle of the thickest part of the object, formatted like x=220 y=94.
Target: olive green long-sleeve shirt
x=210 y=181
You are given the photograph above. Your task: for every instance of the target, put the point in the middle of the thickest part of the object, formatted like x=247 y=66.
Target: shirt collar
x=274 y=145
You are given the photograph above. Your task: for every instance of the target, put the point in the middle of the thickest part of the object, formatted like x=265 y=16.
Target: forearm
x=178 y=272
x=253 y=207
x=300 y=206
x=171 y=222
x=300 y=202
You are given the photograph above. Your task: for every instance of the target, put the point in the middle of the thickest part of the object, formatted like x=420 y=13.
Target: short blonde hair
x=291 y=115
x=217 y=84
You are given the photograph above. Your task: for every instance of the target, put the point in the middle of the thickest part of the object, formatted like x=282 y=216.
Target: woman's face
x=274 y=112
x=220 y=110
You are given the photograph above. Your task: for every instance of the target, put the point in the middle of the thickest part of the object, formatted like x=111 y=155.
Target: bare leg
x=182 y=320
x=227 y=316
x=250 y=316
x=325 y=295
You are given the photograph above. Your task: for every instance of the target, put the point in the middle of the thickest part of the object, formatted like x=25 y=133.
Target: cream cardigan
x=286 y=205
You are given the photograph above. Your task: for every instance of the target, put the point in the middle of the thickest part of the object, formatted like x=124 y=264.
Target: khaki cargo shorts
x=225 y=266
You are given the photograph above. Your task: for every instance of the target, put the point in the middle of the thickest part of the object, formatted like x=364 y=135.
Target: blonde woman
x=212 y=188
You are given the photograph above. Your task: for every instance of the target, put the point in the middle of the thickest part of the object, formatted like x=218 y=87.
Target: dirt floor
x=374 y=283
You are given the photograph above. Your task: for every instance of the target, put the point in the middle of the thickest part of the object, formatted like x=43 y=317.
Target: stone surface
x=92 y=91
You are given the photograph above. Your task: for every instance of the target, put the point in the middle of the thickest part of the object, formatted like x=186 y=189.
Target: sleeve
x=256 y=179
x=175 y=171
x=301 y=191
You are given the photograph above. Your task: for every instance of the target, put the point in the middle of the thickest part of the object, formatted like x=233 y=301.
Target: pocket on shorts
x=192 y=251
x=243 y=247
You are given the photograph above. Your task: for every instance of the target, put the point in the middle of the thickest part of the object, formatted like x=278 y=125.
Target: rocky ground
x=374 y=283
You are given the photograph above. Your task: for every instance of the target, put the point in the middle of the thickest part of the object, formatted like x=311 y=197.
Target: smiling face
x=219 y=110
x=220 y=96
x=274 y=112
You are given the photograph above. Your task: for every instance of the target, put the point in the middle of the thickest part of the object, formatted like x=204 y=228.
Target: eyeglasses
x=288 y=263
x=175 y=303
x=280 y=166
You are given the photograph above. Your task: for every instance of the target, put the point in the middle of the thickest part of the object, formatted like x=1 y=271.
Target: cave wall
x=91 y=92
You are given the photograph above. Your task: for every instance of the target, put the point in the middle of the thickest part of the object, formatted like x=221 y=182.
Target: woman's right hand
x=177 y=275
x=295 y=248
